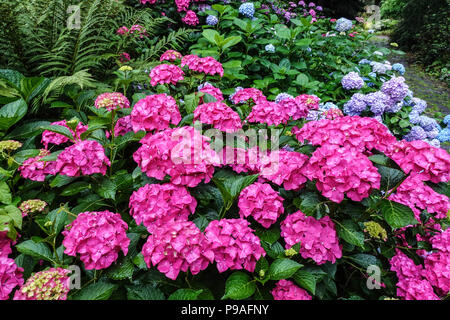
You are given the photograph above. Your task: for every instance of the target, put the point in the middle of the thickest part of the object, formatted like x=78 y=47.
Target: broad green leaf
x=302 y=79
x=239 y=286
x=268 y=235
x=365 y=260
x=397 y=215
x=96 y=291
x=230 y=41
x=59 y=129
x=27 y=130
x=37 y=250
x=5 y=193
x=185 y=294
x=350 y=232
x=144 y=292
x=61 y=180
x=283 y=268
x=211 y=35
x=75 y=188
x=306 y=280
x=389 y=177
x=14 y=213
x=121 y=271
x=11 y=113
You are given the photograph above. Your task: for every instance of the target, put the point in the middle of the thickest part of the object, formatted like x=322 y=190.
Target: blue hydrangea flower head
x=378 y=102
x=427 y=123
x=399 y=68
x=247 y=9
x=327 y=106
x=211 y=20
x=444 y=135
x=419 y=105
x=355 y=105
x=270 y=48
x=343 y=25
x=364 y=61
x=395 y=88
x=447 y=119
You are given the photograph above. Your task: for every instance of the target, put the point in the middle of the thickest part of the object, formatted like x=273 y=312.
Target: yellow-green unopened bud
x=9 y=145
x=290 y=252
x=125 y=68
x=262 y=273
x=375 y=230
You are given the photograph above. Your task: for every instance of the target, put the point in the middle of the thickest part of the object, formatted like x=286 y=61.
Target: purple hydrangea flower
x=343 y=25
x=355 y=105
x=416 y=133
x=395 y=88
x=282 y=96
x=378 y=102
x=211 y=20
x=352 y=81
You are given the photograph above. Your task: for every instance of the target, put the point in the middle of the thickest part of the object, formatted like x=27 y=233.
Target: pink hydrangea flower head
x=190 y=18
x=5 y=244
x=10 y=276
x=404 y=267
x=211 y=66
x=124 y=57
x=219 y=115
x=192 y=61
x=309 y=102
x=437 y=271
x=357 y=132
x=166 y=73
x=139 y=30
x=267 y=112
x=182 y=5
x=52 y=284
x=35 y=169
x=182 y=153
x=340 y=171
x=292 y=108
x=148 y=1
x=97 y=237
x=155 y=112
x=154 y=205
x=261 y=202
x=420 y=158
x=83 y=158
x=318 y=238
x=246 y=94
x=178 y=246
x=122 y=30
x=234 y=245
x=123 y=126
x=112 y=101
x=211 y=90
x=244 y=160
x=287 y=290
x=170 y=55
x=56 y=138
x=286 y=168
x=441 y=241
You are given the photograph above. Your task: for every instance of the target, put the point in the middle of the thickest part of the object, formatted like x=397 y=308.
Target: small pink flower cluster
x=342 y=170
x=234 y=245
x=361 y=133
x=179 y=246
x=51 y=284
x=166 y=73
x=286 y=168
x=213 y=91
x=318 y=238
x=123 y=126
x=155 y=112
x=135 y=29
x=37 y=170
x=243 y=95
x=170 y=55
x=415 y=194
x=83 y=158
x=190 y=18
x=124 y=57
x=10 y=276
x=56 y=138
x=207 y=65
x=182 y=153
x=411 y=285
x=112 y=101
x=287 y=290
x=419 y=158
x=97 y=237
x=5 y=244
x=154 y=205
x=219 y=115
x=261 y=202
x=31 y=206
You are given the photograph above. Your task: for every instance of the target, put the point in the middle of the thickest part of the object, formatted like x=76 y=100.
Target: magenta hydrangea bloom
x=357 y=132
x=56 y=138
x=219 y=115
x=35 y=169
x=211 y=66
x=287 y=290
x=419 y=158
x=261 y=202
x=51 y=284
x=190 y=18
x=97 y=237
x=123 y=126
x=267 y=112
x=234 y=245
x=191 y=61
x=437 y=271
x=243 y=95
x=213 y=91
x=83 y=158
x=286 y=168
x=155 y=112
x=156 y=204
x=182 y=5
x=308 y=102
x=166 y=73
x=112 y=101
x=170 y=55
x=10 y=276
x=5 y=244
x=182 y=153
x=242 y=160
x=318 y=238
x=178 y=246
x=342 y=170
x=295 y=108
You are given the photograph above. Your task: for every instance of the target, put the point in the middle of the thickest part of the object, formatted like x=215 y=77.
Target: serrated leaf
x=283 y=268
x=185 y=294
x=397 y=215
x=121 y=271
x=305 y=280
x=144 y=292
x=5 y=193
x=95 y=291
x=365 y=260
x=75 y=188
x=239 y=286
x=349 y=231
x=59 y=129
x=37 y=250
x=61 y=180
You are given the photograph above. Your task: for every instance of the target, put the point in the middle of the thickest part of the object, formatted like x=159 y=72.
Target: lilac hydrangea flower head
x=247 y=9
x=352 y=81
x=355 y=105
x=395 y=88
x=428 y=123
x=364 y=61
x=282 y=96
x=379 y=67
x=378 y=102
x=343 y=25
x=414 y=117
x=327 y=106
x=419 y=105
x=211 y=20
x=416 y=133
x=395 y=107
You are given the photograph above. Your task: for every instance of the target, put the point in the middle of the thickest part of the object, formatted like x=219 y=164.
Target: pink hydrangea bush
x=234 y=244
x=154 y=205
x=244 y=95
x=179 y=246
x=52 y=284
x=206 y=65
x=318 y=238
x=261 y=202
x=97 y=237
x=123 y=126
x=287 y=290
x=155 y=112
